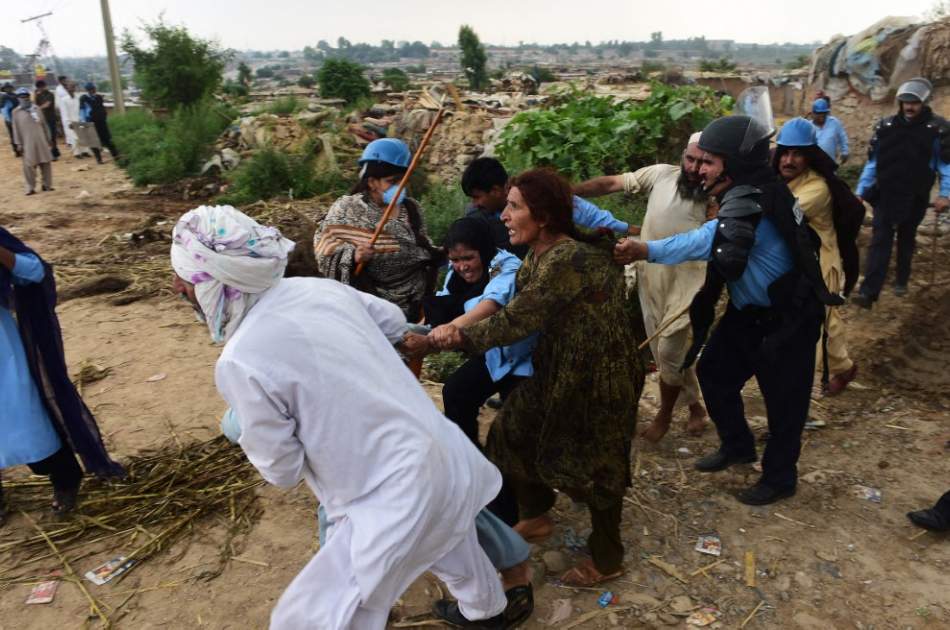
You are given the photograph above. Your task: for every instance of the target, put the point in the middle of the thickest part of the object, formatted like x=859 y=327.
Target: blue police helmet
x=89 y=86
x=820 y=106
x=797 y=132
x=388 y=150
x=22 y=92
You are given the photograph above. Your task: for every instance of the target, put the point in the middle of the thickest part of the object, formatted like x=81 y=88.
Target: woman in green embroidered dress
x=571 y=425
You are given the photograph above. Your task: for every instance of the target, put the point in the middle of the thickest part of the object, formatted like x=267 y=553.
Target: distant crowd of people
x=33 y=126
x=315 y=369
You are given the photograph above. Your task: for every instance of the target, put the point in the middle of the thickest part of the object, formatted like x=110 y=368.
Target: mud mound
x=916 y=358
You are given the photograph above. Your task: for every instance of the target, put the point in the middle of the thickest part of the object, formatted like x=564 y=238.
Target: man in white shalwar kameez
x=310 y=369
x=676 y=204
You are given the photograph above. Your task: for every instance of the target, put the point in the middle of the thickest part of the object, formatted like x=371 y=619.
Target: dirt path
x=824 y=559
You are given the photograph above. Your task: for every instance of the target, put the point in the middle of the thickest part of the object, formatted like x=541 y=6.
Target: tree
x=244 y=74
x=312 y=54
x=265 y=73
x=473 y=59
x=306 y=81
x=396 y=79
x=178 y=69
x=344 y=79
x=342 y=43
x=284 y=54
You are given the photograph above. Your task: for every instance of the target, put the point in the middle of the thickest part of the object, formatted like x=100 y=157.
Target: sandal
x=586 y=575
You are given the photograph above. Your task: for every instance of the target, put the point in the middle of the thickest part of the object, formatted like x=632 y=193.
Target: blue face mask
x=391 y=192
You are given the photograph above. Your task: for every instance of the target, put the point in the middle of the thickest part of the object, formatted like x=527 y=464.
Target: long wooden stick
x=402 y=184
x=663 y=327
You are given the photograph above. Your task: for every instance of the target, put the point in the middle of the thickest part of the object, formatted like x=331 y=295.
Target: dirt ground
x=826 y=558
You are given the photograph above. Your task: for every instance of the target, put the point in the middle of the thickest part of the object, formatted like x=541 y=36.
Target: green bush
x=344 y=79
x=442 y=204
x=272 y=173
x=439 y=367
x=233 y=88
x=585 y=136
x=283 y=106
x=160 y=151
x=396 y=79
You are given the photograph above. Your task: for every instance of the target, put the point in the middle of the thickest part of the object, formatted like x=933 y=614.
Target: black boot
x=98 y=154
x=720 y=460
x=761 y=494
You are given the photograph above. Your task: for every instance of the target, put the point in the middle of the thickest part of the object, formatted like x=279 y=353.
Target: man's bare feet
x=535 y=530
x=518 y=575
x=697 y=419
x=657 y=429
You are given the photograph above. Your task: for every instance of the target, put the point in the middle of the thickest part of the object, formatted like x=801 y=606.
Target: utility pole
x=117 y=95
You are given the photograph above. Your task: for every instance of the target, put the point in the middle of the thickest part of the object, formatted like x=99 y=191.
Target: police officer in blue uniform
x=759 y=247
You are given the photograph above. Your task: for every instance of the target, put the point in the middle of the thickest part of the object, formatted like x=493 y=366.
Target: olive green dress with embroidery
x=571 y=425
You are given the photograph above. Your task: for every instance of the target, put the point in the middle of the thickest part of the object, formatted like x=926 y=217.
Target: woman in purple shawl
x=43 y=421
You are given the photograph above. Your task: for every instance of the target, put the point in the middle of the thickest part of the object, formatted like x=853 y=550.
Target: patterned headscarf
x=231 y=259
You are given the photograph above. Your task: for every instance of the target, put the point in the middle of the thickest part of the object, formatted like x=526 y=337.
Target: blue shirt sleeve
x=943 y=170
x=842 y=138
x=693 y=245
x=868 y=176
x=590 y=216
x=27 y=269
x=501 y=288
x=7 y=110
x=84 y=111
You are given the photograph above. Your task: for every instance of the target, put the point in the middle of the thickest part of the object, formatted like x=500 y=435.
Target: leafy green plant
x=178 y=69
x=283 y=106
x=473 y=60
x=344 y=79
x=442 y=203
x=439 y=367
x=716 y=65
x=159 y=151
x=272 y=173
x=584 y=136
x=396 y=79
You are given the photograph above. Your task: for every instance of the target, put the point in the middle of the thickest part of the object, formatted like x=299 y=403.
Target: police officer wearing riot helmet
x=760 y=247
x=907 y=152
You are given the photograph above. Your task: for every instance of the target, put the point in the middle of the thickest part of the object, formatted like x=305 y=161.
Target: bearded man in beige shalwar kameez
x=677 y=203
x=31 y=136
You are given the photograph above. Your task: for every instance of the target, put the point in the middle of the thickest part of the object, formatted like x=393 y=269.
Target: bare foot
x=697 y=420
x=657 y=429
x=518 y=575
x=535 y=530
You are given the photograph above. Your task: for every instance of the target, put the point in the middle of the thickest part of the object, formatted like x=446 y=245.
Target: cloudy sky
x=76 y=28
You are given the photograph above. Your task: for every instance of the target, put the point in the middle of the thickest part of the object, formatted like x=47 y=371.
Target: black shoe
x=520 y=605
x=761 y=494
x=449 y=612
x=862 y=300
x=900 y=290
x=930 y=519
x=719 y=460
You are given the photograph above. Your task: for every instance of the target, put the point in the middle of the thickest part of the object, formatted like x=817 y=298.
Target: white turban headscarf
x=231 y=259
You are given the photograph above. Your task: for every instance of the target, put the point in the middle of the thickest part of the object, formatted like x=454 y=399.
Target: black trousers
x=51 y=125
x=105 y=136
x=463 y=395
x=732 y=356
x=10 y=132
x=61 y=467
x=884 y=229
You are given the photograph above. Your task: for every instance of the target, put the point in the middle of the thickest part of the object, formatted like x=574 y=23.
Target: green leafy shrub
x=396 y=79
x=272 y=173
x=439 y=367
x=344 y=79
x=283 y=106
x=159 y=151
x=585 y=136
x=716 y=65
x=442 y=204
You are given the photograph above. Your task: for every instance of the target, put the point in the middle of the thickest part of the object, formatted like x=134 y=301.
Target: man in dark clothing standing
x=907 y=152
x=46 y=102
x=760 y=247
x=8 y=103
x=92 y=109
